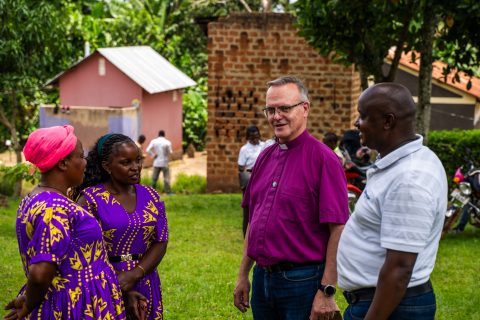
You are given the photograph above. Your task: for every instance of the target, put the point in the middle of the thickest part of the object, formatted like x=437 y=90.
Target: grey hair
x=290 y=79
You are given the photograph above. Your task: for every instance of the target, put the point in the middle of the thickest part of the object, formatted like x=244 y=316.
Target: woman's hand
x=127 y=279
x=18 y=308
x=135 y=305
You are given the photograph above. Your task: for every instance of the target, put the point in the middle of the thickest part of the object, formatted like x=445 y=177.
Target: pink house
x=130 y=90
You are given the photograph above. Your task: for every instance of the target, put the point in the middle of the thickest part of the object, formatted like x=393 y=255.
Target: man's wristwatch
x=328 y=289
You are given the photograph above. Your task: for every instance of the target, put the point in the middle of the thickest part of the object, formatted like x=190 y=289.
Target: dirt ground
x=189 y=166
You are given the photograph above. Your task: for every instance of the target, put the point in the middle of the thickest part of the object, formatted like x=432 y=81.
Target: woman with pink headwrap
x=61 y=245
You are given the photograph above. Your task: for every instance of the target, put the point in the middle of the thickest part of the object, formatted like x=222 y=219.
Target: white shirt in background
x=160 y=149
x=249 y=153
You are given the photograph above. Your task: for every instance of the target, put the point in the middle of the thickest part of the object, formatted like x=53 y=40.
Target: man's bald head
x=389 y=97
x=386 y=116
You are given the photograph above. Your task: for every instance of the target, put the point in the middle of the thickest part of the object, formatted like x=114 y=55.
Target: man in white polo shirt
x=160 y=150
x=388 y=248
x=246 y=160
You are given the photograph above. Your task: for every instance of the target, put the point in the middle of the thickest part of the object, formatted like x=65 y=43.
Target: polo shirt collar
x=403 y=151
x=296 y=142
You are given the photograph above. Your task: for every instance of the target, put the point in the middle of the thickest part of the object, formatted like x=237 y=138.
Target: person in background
x=61 y=245
x=331 y=140
x=297 y=200
x=246 y=159
x=269 y=142
x=132 y=216
x=160 y=150
x=140 y=141
x=388 y=248
x=354 y=153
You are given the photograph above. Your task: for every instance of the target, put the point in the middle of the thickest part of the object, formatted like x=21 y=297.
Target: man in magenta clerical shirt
x=297 y=201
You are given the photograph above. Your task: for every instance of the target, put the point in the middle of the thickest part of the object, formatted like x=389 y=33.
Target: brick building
x=245 y=51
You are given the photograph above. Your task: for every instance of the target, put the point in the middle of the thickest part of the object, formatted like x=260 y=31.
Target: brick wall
x=245 y=51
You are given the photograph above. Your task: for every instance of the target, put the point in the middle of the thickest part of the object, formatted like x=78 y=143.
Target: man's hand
x=18 y=308
x=241 y=294
x=323 y=307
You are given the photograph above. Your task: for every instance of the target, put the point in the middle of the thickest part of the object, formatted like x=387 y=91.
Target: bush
x=10 y=175
x=6 y=185
x=453 y=147
x=184 y=184
x=195 y=115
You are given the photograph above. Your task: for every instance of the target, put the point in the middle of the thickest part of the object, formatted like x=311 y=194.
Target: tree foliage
x=459 y=42
x=195 y=115
x=363 y=32
x=359 y=32
x=32 y=49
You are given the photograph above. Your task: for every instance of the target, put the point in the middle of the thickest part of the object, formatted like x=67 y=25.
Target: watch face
x=329 y=290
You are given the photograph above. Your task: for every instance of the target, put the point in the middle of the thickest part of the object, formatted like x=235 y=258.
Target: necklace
x=47 y=186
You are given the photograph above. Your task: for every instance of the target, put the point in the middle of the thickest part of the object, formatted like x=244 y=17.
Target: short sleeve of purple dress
x=132 y=233
x=52 y=228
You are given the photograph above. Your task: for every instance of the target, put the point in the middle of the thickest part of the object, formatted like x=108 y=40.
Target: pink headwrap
x=45 y=147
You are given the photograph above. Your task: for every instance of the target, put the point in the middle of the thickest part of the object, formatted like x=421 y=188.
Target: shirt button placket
x=270 y=198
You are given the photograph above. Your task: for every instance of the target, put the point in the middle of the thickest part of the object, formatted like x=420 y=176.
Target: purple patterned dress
x=52 y=228
x=132 y=233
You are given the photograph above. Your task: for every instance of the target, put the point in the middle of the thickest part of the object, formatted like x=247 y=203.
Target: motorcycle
x=353 y=194
x=464 y=199
x=356 y=180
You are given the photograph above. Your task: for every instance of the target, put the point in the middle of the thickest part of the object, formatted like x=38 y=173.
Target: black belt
x=368 y=293
x=125 y=257
x=287 y=265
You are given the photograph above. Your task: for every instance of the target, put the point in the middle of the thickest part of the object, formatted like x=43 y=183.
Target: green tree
x=359 y=32
x=363 y=32
x=170 y=28
x=32 y=49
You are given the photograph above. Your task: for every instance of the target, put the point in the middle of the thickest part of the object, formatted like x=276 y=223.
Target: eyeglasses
x=270 y=111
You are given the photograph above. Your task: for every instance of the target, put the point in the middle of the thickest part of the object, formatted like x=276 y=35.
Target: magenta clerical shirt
x=295 y=190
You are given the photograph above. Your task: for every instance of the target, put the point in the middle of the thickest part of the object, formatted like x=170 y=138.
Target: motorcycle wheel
x=451 y=219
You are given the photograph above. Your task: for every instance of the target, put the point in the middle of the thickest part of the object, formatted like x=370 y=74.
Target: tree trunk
x=363 y=78
x=10 y=124
x=425 y=74
x=267 y=5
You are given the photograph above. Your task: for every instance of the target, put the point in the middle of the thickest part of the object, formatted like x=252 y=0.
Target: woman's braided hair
x=101 y=151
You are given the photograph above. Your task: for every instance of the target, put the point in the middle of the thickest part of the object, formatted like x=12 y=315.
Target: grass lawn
x=199 y=270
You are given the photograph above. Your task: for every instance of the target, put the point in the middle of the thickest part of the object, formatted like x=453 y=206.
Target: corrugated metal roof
x=147 y=68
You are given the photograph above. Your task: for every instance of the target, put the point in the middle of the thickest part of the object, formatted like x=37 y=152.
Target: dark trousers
x=420 y=307
x=285 y=295
x=166 y=178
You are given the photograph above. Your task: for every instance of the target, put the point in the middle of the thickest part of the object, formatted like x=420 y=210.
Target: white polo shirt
x=160 y=149
x=402 y=208
x=248 y=154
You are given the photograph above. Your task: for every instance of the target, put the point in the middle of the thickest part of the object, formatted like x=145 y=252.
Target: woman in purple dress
x=132 y=216
x=60 y=243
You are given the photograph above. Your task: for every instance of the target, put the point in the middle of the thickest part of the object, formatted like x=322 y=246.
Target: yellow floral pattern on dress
x=87 y=252
x=127 y=232
x=148 y=231
x=74 y=295
x=105 y=196
x=52 y=228
x=76 y=262
x=59 y=283
x=151 y=206
x=98 y=250
x=148 y=217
